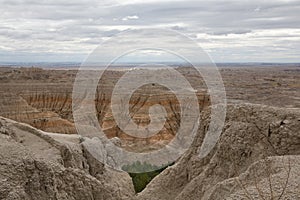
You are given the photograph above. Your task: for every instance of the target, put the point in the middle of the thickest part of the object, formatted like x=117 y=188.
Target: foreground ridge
x=256 y=157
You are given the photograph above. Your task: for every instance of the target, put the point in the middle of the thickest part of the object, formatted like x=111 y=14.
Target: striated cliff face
x=43 y=99
x=139 y=105
x=29 y=109
x=38 y=97
x=48 y=94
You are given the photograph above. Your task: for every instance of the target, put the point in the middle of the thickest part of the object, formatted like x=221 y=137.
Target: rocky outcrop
x=252 y=136
x=271 y=178
x=38 y=165
x=257 y=157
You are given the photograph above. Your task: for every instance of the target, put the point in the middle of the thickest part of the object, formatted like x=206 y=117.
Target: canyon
x=43 y=99
x=256 y=157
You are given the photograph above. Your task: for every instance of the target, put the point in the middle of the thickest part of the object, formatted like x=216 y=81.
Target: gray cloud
x=223 y=28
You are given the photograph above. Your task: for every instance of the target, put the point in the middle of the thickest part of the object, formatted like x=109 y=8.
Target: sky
x=228 y=30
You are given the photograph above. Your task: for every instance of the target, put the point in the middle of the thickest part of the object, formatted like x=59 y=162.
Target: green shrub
x=147 y=173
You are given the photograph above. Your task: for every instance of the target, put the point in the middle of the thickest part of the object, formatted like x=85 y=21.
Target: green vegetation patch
x=147 y=173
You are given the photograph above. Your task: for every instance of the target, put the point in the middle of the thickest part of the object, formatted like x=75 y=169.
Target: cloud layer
x=230 y=31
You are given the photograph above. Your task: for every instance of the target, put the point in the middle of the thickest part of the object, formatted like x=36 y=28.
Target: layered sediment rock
x=26 y=109
x=43 y=99
x=141 y=101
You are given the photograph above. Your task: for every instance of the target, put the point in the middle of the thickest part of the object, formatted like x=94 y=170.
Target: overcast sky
x=230 y=31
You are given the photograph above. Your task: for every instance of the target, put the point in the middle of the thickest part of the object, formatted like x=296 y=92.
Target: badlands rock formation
x=257 y=157
x=42 y=166
x=43 y=99
x=37 y=97
x=249 y=160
